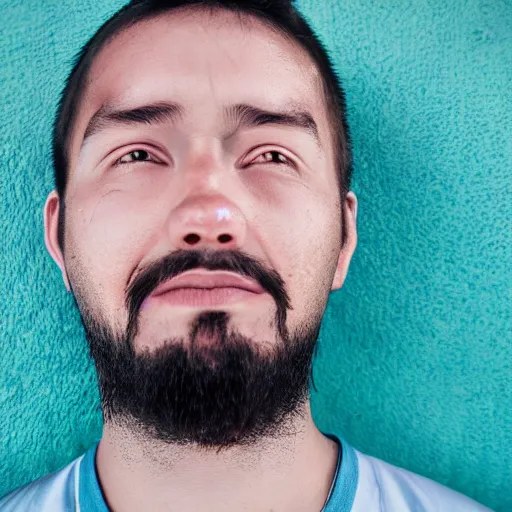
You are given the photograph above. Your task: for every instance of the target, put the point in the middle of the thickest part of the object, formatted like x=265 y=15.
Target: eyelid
x=271 y=149
x=148 y=148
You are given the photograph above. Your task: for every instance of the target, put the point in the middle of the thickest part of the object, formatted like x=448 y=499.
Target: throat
x=293 y=472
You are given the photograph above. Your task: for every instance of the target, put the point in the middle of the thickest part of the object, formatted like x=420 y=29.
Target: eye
x=273 y=157
x=138 y=155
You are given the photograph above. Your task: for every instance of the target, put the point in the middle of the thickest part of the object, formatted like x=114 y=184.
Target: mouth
x=201 y=297
x=206 y=288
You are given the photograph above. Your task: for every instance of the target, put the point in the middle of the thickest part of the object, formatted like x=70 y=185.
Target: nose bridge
x=203 y=154
x=207 y=215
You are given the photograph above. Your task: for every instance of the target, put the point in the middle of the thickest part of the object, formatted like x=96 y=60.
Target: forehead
x=205 y=61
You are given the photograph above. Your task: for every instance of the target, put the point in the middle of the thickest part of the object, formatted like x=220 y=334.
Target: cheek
x=113 y=218
x=307 y=248
x=106 y=236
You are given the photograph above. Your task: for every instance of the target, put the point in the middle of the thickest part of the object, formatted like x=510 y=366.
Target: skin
x=119 y=219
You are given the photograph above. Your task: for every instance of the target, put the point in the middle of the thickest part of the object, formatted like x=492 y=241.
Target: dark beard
x=230 y=391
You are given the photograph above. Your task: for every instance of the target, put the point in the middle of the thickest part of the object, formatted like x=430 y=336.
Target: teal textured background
x=415 y=358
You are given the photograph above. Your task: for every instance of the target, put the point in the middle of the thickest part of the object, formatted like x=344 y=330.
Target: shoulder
x=55 y=492
x=384 y=487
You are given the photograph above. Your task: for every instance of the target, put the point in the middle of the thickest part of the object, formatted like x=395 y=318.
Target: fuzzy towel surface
x=415 y=357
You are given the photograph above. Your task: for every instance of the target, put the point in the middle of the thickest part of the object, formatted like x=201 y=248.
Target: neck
x=293 y=472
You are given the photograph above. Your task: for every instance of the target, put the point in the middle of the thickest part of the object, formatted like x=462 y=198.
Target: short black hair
x=281 y=15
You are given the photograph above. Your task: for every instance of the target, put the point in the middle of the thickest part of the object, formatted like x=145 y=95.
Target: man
x=203 y=164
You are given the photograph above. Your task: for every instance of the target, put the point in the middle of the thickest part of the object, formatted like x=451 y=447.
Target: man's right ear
x=51 y=227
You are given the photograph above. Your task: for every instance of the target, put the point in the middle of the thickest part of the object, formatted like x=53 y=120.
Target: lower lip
x=203 y=296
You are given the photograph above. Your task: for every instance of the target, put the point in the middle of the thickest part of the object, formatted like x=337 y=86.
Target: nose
x=210 y=221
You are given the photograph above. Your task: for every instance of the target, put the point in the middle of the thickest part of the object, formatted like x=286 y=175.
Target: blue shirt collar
x=344 y=485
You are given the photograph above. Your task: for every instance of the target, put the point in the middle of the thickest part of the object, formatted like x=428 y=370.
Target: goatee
x=230 y=390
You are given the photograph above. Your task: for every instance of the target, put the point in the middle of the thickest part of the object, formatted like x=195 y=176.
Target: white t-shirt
x=361 y=484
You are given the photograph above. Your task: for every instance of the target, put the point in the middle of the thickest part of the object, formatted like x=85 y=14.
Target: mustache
x=179 y=261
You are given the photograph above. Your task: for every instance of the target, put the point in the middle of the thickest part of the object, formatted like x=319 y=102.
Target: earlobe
x=51 y=226
x=350 y=207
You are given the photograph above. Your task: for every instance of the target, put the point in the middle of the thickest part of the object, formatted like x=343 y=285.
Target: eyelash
x=118 y=161
x=288 y=162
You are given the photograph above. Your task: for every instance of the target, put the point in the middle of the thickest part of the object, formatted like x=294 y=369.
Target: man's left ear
x=347 y=250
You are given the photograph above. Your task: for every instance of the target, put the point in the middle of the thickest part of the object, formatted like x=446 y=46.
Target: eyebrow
x=236 y=116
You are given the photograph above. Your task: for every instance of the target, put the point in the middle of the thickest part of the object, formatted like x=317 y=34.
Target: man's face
x=200 y=190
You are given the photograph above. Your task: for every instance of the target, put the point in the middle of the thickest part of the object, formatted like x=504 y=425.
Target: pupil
x=139 y=155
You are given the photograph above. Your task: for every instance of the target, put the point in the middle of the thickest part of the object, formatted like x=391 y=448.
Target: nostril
x=192 y=239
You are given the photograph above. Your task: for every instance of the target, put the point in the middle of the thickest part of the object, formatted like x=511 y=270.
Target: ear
x=350 y=209
x=51 y=224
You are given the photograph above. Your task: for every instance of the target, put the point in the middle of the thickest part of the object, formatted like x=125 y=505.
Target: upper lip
x=208 y=279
